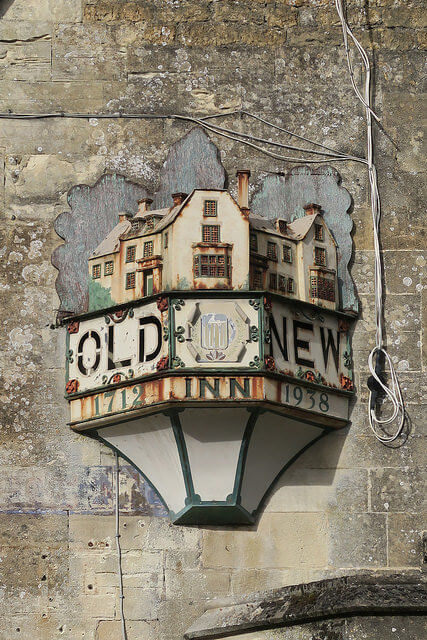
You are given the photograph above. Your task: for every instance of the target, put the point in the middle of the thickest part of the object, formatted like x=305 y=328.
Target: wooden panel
x=284 y=197
x=193 y=163
x=94 y=212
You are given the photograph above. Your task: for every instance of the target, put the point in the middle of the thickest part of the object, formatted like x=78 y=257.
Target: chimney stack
x=178 y=198
x=144 y=205
x=311 y=208
x=124 y=215
x=243 y=188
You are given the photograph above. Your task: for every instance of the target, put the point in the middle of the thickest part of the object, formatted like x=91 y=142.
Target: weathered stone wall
x=348 y=503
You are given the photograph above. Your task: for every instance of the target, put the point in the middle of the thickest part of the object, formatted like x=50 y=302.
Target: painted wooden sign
x=212 y=344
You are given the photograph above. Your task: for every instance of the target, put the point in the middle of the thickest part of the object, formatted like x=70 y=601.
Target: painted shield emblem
x=218 y=331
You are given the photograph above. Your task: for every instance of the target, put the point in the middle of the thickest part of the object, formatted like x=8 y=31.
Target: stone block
x=142 y=629
x=397 y=489
x=405 y=539
x=34 y=531
x=357 y=540
x=196 y=584
x=140 y=604
x=295 y=540
x=319 y=490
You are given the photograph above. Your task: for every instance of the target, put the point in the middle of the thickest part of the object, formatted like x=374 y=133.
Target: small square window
x=148 y=249
x=96 y=271
x=130 y=254
x=282 y=283
x=291 y=286
x=130 y=280
x=287 y=253
x=253 y=242
x=273 y=281
x=318 y=232
x=272 y=250
x=210 y=208
x=210 y=233
x=320 y=256
x=108 y=268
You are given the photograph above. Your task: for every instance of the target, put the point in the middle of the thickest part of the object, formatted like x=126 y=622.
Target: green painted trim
x=261 y=324
x=203 y=373
x=183 y=454
x=268 y=491
x=95 y=435
x=213 y=513
x=171 y=331
x=209 y=293
x=241 y=462
x=67 y=362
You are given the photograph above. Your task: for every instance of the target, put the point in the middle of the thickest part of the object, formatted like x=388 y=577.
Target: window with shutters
x=291 y=285
x=318 y=232
x=108 y=268
x=273 y=281
x=211 y=266
x=257 y=279
x=272 y=250
x=210 y=233
x=210 y=208
x=253 y=242
x=148 y=249
x=322 y=288
x=130 y=280
x=96 y=271
x=282 y=283
x=287 y=253
x=320 y=256
x=130 y=254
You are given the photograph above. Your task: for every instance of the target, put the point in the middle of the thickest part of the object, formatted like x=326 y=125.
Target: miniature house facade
x=206 y=240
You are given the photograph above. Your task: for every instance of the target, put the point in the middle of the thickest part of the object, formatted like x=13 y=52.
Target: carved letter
x=330 y=345
x=146 y=357
x=273 y=329
x=302 y=344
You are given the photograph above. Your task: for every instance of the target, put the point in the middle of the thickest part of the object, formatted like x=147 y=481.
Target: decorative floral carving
x=346 y=383
x=270 y=365
x=162 y=304
x=163 y=363
x=72 y=386
x=73 y=327
x=215 y=355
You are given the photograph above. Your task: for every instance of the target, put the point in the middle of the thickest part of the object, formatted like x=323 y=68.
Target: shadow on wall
x=5 y=6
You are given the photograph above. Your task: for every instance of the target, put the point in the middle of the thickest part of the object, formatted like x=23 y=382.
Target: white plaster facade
x=208 y=241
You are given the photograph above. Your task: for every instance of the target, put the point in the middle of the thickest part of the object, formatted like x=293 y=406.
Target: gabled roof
x=111 y=243
x=296 y=230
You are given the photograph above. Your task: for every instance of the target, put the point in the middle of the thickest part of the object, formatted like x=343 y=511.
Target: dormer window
x=210 y=233
x=148 y=249
x=287 y=253
x=210 y=208
x=272 y=251
x=319 y=233
x=320 y=256
x=135 y=225
x=149 y=221
x=130 y=254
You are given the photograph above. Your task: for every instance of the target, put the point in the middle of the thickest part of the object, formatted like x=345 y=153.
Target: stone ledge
x=357 y=595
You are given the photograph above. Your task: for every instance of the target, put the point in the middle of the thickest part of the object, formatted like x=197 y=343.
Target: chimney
x=311 y=208
x=243 y=188
x=144 y=205
x=281 y=226
x=178 y=198
x=124 y=215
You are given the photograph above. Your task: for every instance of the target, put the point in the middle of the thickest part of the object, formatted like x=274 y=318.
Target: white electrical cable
x=119 y=550
x=378 y=353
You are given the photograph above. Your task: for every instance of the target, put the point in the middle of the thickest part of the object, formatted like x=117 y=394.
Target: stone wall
x=349 y=503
